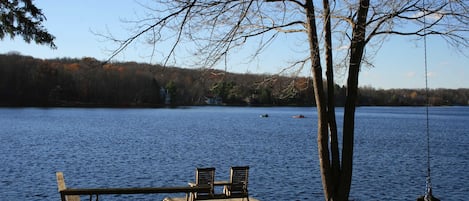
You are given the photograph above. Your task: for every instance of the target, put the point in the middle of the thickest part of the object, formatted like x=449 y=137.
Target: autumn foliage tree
x=214 y=29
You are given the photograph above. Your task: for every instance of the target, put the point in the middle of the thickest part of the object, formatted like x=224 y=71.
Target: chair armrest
x=221 y=183
x=192 y=184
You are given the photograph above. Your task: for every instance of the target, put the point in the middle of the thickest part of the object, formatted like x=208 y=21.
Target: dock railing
x=73 y=194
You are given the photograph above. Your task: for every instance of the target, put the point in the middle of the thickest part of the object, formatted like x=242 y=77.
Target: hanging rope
x=428 y=193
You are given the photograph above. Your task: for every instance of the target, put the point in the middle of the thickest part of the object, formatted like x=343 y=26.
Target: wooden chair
x=62 y=187
x=238 y=185
x=204 y=177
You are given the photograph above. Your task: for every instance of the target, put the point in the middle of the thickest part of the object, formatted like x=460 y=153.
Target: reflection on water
x=162 y=147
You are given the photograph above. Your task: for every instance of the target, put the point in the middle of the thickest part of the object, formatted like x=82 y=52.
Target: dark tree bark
x=356 y=55
x=334 y=142
x=316 y=70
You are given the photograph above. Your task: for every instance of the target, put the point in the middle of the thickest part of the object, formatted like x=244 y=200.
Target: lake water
x=162 y=147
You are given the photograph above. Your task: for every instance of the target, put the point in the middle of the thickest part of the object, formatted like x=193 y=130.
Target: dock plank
x=224 y=199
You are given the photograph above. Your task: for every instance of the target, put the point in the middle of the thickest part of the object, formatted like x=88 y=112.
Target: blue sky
x=399 y=63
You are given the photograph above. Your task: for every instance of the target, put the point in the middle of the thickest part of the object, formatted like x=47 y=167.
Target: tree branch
x=127 y=42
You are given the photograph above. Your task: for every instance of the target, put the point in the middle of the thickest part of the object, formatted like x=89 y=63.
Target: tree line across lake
x=27 y=81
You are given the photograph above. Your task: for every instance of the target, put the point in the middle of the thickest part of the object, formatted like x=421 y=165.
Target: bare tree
x=215 y=28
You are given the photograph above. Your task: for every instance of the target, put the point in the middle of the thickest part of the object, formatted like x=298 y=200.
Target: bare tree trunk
x=322 y=139
x=356 y=54
x=336 y=177
x=334 y=144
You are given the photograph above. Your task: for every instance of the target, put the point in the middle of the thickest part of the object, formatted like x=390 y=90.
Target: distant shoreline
x=30 y=82
x=189 y=106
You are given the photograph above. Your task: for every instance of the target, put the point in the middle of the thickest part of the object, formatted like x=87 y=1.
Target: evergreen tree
x=23 y=18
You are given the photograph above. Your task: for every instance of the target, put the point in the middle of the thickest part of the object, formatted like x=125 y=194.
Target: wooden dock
x=73 y=194
x=220 y=199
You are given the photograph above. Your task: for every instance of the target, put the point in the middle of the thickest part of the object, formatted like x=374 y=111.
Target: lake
x=162 y=147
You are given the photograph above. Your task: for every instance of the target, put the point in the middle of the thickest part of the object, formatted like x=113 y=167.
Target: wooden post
x=62 y=187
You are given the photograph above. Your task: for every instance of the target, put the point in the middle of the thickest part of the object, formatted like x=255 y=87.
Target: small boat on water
x=264 y=115
x=300 y=116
